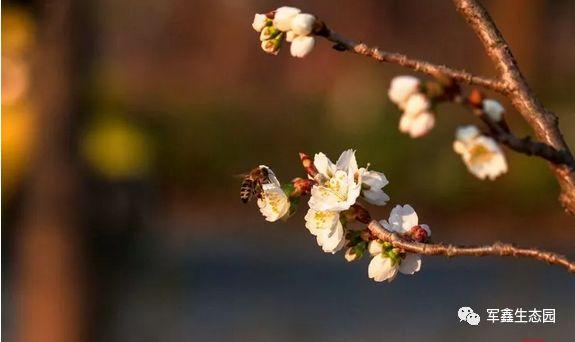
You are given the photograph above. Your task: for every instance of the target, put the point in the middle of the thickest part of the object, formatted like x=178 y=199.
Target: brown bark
x=496 y=249
x=544 y=123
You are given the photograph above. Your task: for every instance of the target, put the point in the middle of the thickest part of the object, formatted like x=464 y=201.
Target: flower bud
x=302 y=24
x=475 y=98
x=301 y=186
x=269 y=32
x=260 y=21
x=284 y=16
x=417 y=125
x=419 y=233
x=301 y=46
x=307 y=163
x=416 y=104
x=271 y=46
x=493 y=109
x=351 y=254
x=403 y=87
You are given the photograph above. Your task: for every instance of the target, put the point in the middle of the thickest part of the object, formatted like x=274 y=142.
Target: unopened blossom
x=271 y=46
x=260 y=21
x=351 y=254
x=274 y=204
x=417 y=118
x=401 y=88
x=382 y=268
x=327 y=228
x=338 y=185
x=493 y=109
x=373 y=183
x=284 y=16
x=481 y=154
x=269 y=32
x=302 y=24
x=417 y=124
x=387 y=262
x=301 y=46
x=416 y=103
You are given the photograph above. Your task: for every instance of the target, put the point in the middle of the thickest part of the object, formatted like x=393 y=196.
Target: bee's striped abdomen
x=247 y=189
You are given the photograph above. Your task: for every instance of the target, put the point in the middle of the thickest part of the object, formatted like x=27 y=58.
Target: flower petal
x=331 y=241
x=323 y=165
x=346 y=161
x=375 y=197
x=375 y=247
x=381 y=268
x=374 y=179
x=402 y=219
x=284 y=16
x=410 y=264
x=401 y=88
x=301 y=46
x=318 y=221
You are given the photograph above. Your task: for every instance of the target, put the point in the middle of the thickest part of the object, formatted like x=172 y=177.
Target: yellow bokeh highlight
x=117 y=149
x=19 y=119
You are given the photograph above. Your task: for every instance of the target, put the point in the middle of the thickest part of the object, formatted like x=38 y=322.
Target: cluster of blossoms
x=480 y=153
x=289 y=24
x=336 y=190
x=417 y=118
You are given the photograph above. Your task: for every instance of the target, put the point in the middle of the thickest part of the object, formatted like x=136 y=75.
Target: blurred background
x=125 y=123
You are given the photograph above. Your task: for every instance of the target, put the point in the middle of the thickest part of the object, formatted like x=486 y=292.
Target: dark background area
x=126 y=123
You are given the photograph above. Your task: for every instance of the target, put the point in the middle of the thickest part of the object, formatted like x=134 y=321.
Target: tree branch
x=496 y=249
x=544 y=122
x=345 y=44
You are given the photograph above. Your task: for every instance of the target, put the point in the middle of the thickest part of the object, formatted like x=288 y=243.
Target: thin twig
x=524 y=145
x=543 y=122
x=496 y=249
x=418 y=65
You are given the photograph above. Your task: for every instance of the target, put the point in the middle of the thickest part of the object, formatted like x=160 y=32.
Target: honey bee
x=252 y=183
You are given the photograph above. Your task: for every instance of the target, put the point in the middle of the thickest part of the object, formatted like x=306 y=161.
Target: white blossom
x=274 y=203
x=402 y=219
x=260 y=21
x=493 y=109
x=284 y=16
x=384 y=266
x=301 y=46
x=481 y=154
x=339 y=184
x=417 y=118
x=302 y=24
x=402 y=87
x=327 y=228
x=372 y=187
x=417 y=125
